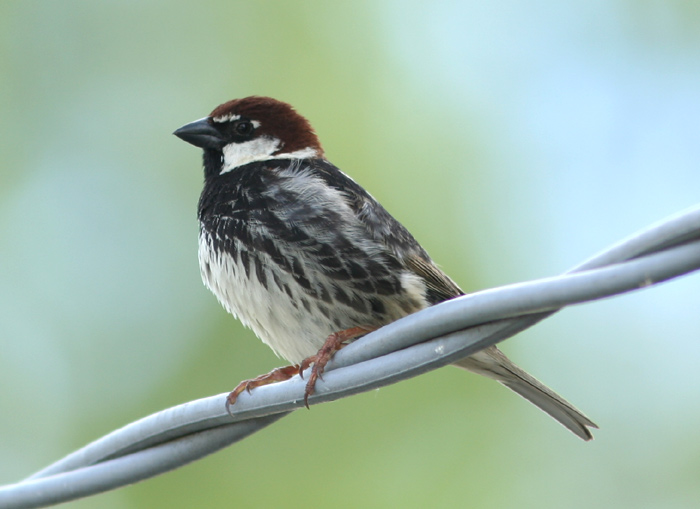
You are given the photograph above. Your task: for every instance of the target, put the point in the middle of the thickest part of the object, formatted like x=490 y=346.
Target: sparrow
x=309 y=260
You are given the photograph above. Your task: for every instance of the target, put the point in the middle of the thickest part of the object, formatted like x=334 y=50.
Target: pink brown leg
x=333 y=343
x=276 y=375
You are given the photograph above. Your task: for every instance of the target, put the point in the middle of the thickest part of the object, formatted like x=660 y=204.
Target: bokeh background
x=514 y=139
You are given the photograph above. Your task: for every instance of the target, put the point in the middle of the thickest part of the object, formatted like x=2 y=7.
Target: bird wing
x=384 y=228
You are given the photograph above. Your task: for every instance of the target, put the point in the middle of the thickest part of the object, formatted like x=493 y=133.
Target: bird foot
x=276 y=375
x=333 y=343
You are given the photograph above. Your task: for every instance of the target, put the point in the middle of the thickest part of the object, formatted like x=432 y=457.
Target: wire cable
x=423 y=341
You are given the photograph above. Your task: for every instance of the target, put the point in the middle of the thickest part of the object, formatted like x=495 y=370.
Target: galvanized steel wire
x=426 y=340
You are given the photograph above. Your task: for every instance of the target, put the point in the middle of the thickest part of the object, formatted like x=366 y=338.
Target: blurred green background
x=514 y=139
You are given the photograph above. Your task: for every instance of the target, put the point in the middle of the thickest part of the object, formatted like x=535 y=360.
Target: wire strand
x=420 y=342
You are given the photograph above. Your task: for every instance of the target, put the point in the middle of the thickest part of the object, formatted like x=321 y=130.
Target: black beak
x=201 y=133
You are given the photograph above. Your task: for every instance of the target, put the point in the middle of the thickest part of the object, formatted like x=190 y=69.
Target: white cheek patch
x=304 y=153
x=258 y=149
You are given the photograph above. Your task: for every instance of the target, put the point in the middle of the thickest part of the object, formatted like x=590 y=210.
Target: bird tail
x=493 y=363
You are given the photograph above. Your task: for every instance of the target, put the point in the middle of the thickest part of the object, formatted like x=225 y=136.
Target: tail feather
x=492 y=363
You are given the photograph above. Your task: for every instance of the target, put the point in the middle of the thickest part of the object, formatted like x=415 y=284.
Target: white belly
x=277 y=319
x=281 y=313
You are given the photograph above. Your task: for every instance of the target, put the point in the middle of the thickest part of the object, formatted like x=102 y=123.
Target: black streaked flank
x=242 y=205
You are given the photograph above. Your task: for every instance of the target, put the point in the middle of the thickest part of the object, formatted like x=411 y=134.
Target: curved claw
x=276 y=375
x=311 y=384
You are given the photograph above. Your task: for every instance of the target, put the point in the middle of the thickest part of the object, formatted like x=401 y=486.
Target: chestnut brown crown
x=272 y=118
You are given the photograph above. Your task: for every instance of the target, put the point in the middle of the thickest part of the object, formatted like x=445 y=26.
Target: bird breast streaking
x=309 y=260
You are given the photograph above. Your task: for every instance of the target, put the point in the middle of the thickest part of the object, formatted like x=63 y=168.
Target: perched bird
x=307 y=258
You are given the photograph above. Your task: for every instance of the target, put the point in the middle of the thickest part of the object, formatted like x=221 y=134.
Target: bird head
x=251 y=129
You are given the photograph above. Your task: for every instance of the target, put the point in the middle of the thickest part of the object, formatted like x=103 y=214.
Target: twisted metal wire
x=426 y=340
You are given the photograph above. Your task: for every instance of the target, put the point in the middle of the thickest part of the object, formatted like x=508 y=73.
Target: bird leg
x=276 y=375
x=333 y=343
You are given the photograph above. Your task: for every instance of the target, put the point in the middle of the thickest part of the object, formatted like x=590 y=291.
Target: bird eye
x=244 y=127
